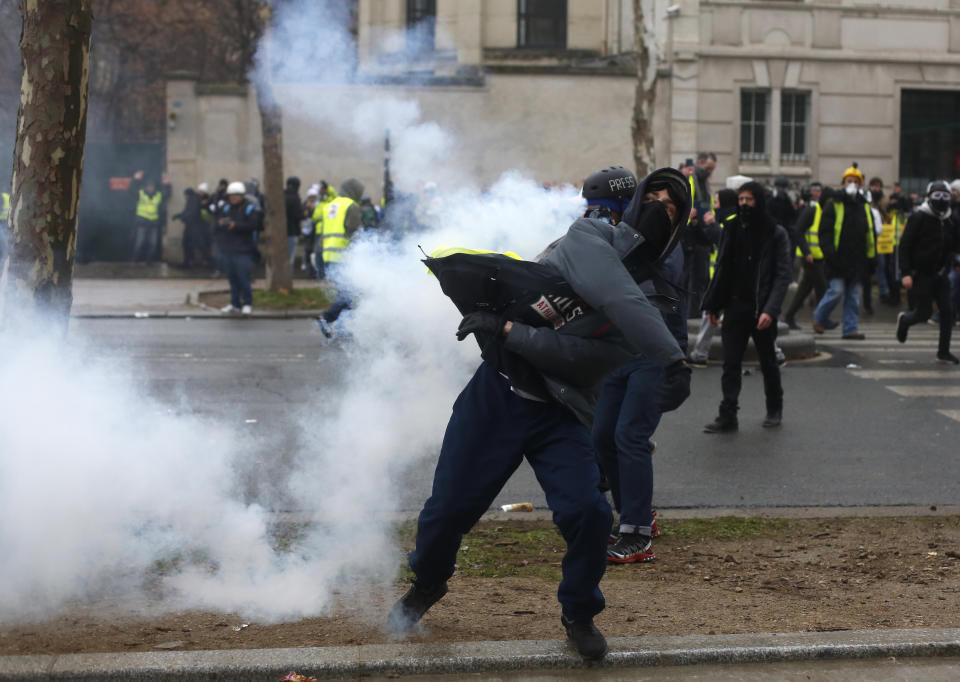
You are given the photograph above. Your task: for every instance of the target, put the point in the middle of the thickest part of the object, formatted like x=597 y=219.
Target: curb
x=473 y=657
x=199 y=315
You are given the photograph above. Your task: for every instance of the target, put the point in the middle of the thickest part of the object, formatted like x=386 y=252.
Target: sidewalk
x=157 y=297
x=392 y=660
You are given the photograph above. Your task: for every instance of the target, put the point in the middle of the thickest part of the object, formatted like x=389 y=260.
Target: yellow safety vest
x=838 y=227
x=716 y=247
x=813 y=235
x=693 y=194
x=148 y=207
x=320 y=210
x=899 y=221
x=5 y=208
x=334 y=229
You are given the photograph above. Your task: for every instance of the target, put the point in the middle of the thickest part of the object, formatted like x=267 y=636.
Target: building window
x=754 y=111
x=542 y=24
x=421 y=25
x=794 y=117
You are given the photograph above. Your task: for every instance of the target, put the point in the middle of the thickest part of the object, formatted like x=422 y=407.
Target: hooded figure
x=754 y=269
x=534 y=384
x=928 y=248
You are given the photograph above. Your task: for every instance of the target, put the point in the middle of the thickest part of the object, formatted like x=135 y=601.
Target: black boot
x=410 y=609
x=589 y=641
x=726 y=420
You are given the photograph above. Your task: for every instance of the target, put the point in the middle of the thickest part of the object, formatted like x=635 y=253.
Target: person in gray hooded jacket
x=532 y=396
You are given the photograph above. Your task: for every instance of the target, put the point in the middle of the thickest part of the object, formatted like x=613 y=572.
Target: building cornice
x=820 y=55
x=853 y=10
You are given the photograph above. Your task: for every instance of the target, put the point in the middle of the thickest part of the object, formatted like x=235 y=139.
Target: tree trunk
x=642 y=124
x=279 y=275
x=48 y=158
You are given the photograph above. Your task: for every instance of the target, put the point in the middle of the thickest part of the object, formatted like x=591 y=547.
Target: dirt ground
x=808 y=575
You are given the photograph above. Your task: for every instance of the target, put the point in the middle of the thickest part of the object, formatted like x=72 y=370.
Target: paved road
x=884 y=433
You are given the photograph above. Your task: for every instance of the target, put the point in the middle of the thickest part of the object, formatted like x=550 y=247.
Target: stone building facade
x=799 y=88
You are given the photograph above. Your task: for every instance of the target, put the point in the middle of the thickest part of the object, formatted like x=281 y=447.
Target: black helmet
x=612 y=182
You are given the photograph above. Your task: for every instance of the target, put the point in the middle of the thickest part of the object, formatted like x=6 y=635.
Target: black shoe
x=773 y=419
x=792 y=323
x=947 y=358
x=901 y=328
x=410 y=609
x=589 y=641
x=722 y=425
x=854 y=336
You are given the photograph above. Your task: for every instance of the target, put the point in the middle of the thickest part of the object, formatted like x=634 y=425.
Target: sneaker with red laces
x=631 y=548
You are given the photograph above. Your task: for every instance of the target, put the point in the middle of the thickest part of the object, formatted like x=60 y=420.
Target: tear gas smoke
x=100 y=485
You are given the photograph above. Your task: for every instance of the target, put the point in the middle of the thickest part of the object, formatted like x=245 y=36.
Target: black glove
x=675 y=388
x=479 y=323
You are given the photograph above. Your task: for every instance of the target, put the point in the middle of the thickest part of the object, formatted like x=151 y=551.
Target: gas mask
x=851 y=189
x=601 y=213
x=939 y=202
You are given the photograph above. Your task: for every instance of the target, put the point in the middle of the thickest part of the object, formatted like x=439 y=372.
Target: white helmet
x=314 y=191
x=203 y=187
x=236 y=187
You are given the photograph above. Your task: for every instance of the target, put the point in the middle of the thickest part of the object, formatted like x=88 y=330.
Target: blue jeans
x=488 y=435
x=848 y=290
x=882 y=288
x=238 y=267
x=626 y=417
x=292 y=249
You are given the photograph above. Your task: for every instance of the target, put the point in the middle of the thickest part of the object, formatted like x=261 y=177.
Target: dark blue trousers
x=489 y=433
x=626 y=417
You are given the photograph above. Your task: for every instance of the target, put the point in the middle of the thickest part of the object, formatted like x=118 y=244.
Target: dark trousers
x=926 y=292
x=736 y=332
x=813 y=279
x=238 y=267
x=146 y=240
x=625 y=419
x=489 y=433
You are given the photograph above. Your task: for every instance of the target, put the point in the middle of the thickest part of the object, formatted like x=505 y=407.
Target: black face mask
x=940 y=206
x=876 y=195
x=657 y=231
x=747 y=214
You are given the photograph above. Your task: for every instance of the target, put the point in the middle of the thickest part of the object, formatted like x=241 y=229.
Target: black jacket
x=928 y=244
x=239 y=239
x=294 y=211
x=849 y=258
x=774 y=269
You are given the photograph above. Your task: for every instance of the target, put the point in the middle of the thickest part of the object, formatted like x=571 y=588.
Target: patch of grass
x=306 y=298
x=725 y=527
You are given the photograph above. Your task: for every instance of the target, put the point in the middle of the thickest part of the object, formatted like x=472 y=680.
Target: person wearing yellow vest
x=848 y=242
x=694 y=239
x=148 y=226
x=4 y=222
x=341 y=219
x=806 y=235
x=899 y=207
x=325 y=196
x=726 y=212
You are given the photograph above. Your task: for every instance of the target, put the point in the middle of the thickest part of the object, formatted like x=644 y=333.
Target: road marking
x=926 y=391
x=952 y=414
x=897 y=362
x=905 y=374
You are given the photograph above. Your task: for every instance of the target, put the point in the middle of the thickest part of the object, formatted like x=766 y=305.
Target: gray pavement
x=858 y=655
x=843 y=443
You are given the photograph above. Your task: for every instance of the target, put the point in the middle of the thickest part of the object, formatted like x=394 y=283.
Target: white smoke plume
x=102 y=483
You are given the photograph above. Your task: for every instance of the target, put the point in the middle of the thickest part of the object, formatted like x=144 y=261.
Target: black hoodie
x=765 y=281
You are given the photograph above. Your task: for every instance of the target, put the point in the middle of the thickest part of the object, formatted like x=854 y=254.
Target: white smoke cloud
x=99 y=485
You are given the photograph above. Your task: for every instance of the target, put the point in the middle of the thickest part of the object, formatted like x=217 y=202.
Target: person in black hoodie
x=927 y=250
x=294 y=208
x=751 y=279
x=519 y=405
